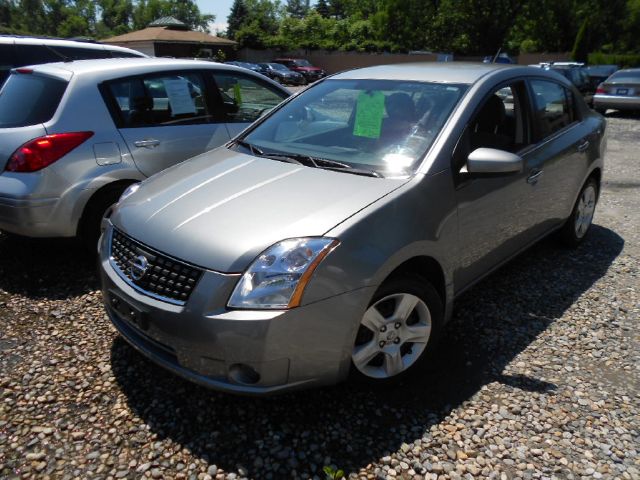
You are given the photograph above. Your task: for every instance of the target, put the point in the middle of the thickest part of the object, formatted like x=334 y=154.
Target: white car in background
x=75 y=135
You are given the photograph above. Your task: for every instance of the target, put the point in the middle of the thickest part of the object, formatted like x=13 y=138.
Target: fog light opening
x=244 y=374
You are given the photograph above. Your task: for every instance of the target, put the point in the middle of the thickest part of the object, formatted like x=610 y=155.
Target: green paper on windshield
x=369 y=113
x=237 y=94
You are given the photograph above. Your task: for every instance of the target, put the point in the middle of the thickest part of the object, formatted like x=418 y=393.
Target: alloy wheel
x=584 y=211
x=392 y=336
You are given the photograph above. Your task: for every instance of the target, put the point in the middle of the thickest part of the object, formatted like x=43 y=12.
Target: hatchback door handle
x=534 y=177
x=582 y=147
x=149 y=143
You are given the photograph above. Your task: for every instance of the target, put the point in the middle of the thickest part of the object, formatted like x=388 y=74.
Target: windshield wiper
x=309 y=161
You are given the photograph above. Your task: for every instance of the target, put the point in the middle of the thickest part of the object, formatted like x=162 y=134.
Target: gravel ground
x=538 y=376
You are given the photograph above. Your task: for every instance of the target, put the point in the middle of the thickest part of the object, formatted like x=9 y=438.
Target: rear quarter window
x=28 y=99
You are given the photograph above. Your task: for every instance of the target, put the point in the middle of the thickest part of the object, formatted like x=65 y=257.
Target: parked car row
x=327 y=239
x=288 y=71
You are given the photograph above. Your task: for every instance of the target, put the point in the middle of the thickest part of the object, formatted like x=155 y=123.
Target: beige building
x=168 y=37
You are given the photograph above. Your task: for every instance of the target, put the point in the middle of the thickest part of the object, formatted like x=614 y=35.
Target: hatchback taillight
x=43 y=151
x=600 y=89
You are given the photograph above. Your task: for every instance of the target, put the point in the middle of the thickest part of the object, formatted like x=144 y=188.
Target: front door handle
x=148 y=143
x=534 y=177
x=582 y=147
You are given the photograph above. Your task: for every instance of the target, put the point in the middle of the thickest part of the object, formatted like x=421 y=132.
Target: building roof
x=167 y=34
x=169 y=22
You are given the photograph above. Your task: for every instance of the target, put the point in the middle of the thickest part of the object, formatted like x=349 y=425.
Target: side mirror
x=492 y=161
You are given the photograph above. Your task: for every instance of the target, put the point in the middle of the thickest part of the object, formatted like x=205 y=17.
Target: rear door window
x=29 y=99
x=553 y=105
x=158 y=100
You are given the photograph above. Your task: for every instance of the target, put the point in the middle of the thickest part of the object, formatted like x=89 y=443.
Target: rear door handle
x=148 y=143
x=582 y=147
x=534 y=177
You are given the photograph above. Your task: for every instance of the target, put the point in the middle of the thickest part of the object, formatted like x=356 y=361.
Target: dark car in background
x=576 y=73
x=282 y=74
x=254 y=67
x=18 y=51
x=599 y=73
x=304 y=67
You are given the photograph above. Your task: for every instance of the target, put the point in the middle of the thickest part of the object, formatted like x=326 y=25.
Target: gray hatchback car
x=75 y=135
x=332 y=237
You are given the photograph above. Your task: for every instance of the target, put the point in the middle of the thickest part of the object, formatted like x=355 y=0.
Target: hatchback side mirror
x=484 y=161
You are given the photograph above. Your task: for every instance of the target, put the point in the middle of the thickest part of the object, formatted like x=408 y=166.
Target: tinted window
x=121 y=54
x=35 y=55
x=553 y=105
x=6 y=61
x=160 y=100
x=79 y=53
x=28 y=99
x=245 y=98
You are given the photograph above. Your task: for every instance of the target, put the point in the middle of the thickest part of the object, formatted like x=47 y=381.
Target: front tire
x=397 y=331
x=579 y=222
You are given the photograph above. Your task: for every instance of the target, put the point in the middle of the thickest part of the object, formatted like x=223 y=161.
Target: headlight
x=130 y=190
x=277 y=278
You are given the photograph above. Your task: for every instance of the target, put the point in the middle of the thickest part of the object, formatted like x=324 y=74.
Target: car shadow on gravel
x=351 y=426
x=52 y=269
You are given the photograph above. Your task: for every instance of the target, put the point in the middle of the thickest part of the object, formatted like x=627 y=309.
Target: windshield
x=381 y=125
x=302 y=63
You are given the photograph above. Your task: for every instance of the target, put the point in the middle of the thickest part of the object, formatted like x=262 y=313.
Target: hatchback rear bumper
x=28 y=217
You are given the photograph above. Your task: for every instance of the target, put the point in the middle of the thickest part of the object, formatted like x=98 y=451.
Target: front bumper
x=208 y=344
x=616 y=102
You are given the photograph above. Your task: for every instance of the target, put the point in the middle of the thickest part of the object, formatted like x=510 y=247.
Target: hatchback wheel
x=94 y=218
x=397 y=330
x=578 y=224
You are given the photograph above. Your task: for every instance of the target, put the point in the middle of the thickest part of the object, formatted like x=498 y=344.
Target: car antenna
x=61 y=55
x=495 y=57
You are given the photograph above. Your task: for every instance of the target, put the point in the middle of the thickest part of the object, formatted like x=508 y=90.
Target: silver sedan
x=621 y=91
x=331 y=238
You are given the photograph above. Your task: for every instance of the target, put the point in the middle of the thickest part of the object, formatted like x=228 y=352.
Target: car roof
x=18 y=40
x=446 y=72
x=108 y=66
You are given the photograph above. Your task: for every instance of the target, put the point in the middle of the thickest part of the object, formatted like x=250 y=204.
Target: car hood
x=223 y=208
x=308 y=69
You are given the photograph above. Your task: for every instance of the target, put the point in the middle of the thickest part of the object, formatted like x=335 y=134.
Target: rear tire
x=90 y=227
x=397 y=332
x=575 y=229
x=600 y=110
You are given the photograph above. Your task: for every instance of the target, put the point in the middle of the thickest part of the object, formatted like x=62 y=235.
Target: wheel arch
x=428 y=268
x=97 y=195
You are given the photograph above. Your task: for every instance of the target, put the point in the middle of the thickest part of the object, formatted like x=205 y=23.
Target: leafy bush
x=623 y=60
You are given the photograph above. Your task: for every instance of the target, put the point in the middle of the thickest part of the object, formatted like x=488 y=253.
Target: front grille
x=157 y=275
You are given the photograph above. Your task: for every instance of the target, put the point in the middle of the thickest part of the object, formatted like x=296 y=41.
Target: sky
x=220 y=8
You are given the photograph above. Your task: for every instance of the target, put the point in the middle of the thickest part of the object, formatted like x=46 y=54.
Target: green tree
x=237 y=17
x=297 y=8
x=322 y=7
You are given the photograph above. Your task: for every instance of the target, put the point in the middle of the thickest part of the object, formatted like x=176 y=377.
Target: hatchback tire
x=91 y=223
x=397 y=332
x=579 y=222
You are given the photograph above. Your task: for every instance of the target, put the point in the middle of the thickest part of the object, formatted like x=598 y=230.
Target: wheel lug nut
x=383 y=328
x=397 y=340
x=381 y=344
x=398 y=325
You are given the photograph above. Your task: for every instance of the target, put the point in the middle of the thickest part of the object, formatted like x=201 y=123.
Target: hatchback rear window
x=28 y=99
